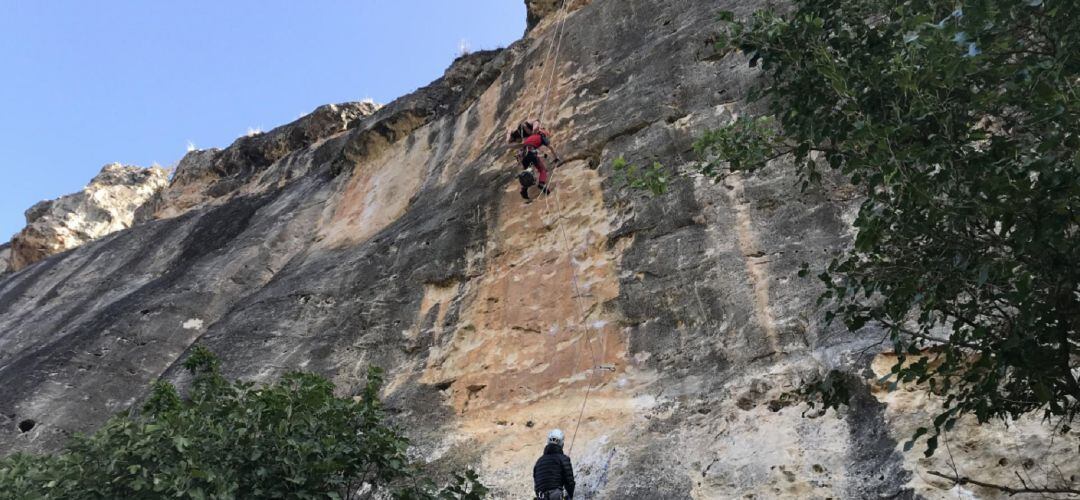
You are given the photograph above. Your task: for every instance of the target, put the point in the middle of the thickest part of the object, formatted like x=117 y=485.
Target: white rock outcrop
x=5 y=258
x=104 y=206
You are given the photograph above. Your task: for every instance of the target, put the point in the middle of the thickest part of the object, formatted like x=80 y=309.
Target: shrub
x=290 y=439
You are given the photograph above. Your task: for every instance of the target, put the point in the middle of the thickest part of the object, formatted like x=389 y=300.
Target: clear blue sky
x=85 y=83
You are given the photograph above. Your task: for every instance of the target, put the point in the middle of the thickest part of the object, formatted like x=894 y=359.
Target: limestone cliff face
x=213 y=176
x=537 y=10
x=104 y=206
x=396 y=237
x=5 y=258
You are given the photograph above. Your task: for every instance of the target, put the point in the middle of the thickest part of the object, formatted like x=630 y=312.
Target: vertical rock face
x=659 y=333
x=538 y=9
x=104 y=206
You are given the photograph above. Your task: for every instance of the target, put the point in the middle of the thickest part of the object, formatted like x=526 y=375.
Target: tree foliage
x=292 y=439
x=957 y=122
x=653 y=178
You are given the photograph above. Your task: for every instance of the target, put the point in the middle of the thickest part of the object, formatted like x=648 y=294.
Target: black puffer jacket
x=554 y=471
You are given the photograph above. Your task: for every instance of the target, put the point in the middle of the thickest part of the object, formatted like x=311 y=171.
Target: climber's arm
x=552 y=149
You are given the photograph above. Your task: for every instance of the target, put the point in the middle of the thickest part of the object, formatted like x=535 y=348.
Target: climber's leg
x=542 y=171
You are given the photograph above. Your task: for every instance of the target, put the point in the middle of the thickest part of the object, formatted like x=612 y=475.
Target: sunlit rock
x=104 y=206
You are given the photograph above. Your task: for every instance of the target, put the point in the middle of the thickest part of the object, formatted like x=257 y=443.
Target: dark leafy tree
x=291 y=439
x=958 y=123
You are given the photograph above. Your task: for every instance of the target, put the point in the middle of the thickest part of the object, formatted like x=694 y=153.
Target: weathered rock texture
x=536 y=10
x=5 y=258
x=396 y=237
x=103 y=207
x=214 y=176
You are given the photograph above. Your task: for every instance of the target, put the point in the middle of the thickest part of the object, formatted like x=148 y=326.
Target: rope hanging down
x=556 y=44
x=554 y=48
x=588 y=330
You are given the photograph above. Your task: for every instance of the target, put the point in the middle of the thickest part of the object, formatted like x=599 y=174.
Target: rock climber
x=528 y=138
x=553 y=475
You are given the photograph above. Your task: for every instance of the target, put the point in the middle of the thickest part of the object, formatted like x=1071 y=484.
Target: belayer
x=528 y=138
x=553 y=474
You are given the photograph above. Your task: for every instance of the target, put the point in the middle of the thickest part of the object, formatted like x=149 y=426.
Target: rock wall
x=5 y=258
x=104 y=206
x=658 y=332
x=537 y=10
x=213 y=176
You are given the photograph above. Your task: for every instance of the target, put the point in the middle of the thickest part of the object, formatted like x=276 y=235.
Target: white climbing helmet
x=555 y=437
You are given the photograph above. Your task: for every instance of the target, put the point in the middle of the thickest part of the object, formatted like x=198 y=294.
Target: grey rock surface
x=395 y=236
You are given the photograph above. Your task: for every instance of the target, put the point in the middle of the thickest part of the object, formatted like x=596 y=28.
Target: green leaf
x=931 y=446
x=920 y=432
x=1042 y=392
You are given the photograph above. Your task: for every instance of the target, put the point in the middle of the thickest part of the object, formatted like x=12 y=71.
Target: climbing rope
x=554 y=48
x=588 y=329
x=556 y=44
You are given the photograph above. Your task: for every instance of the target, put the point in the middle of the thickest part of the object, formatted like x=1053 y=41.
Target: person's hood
x=552 y=449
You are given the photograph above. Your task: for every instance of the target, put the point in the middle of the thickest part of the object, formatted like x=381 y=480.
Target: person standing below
x=553 y=474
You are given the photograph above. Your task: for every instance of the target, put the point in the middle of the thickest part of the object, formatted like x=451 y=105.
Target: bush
x=291 y=439
x=653 y=178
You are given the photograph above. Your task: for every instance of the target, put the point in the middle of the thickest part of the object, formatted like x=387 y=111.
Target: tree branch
x=962 y=480
x=911 y=333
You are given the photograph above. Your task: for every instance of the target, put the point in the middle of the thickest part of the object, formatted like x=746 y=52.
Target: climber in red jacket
x=528 y=138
